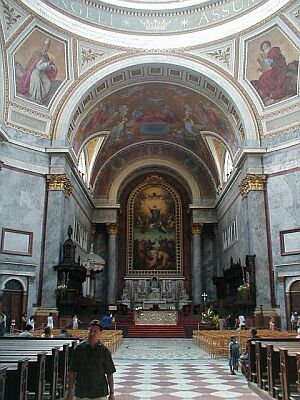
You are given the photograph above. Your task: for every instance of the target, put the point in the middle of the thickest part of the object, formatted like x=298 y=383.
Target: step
x=155 y=331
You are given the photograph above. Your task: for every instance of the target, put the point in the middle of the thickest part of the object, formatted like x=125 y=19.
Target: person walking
x=76 y=322
x=242 y=322
x=32 y=322
x=50 y=322
x=24 y=321
x=233 y=348
x=91 y=368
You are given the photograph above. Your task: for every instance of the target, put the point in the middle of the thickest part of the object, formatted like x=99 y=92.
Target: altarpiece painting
x=154 y=229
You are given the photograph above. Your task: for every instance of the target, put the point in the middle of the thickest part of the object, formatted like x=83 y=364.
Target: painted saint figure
x=35 y=81
x=271 y=85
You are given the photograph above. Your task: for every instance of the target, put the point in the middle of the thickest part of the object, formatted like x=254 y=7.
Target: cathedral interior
x=150 y=157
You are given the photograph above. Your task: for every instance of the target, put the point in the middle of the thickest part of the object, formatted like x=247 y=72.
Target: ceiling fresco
x=155 y=111
x=206 y=175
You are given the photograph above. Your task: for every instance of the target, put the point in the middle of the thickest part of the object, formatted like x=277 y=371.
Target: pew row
x=274 y=366
x=47 y=366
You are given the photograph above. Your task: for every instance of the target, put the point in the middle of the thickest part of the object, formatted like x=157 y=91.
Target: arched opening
x=295 y=297
x=13 y=302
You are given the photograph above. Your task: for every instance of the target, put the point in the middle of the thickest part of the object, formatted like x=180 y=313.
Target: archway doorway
x=13 y=300
x=295 y=297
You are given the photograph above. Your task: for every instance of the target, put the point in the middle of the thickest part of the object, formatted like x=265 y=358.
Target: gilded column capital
x=216 y=229
x=93 y=229
x=197 y=229
x=112 y=229
x=59 y=182
x=252 y=182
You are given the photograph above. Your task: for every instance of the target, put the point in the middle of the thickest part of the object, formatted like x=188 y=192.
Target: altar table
x=160 y=317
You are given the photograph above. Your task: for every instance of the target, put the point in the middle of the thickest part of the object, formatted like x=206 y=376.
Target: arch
x=64 y=118
x=149 y=162
x=292 y=283
x=20 y=281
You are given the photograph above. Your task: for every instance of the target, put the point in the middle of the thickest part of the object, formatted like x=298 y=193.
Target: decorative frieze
x=11 y=15
x=252 y=182
x=197 y=229
x=112 y=229
x=59 y=182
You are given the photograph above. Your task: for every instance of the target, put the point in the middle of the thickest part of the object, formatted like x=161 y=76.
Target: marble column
x=112 y=230
x=197 y=229
x=216 y=256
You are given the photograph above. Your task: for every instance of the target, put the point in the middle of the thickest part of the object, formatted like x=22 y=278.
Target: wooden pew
x=36 y=373
x=274 y=369
x=288 y=371
x=2 y=381
x=298 y=372
x=29 y=346
x=51 y=366
x=251 y=350
x=16 y=380
x=63 y=361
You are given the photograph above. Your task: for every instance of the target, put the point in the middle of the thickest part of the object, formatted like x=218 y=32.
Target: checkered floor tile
x=142 y=373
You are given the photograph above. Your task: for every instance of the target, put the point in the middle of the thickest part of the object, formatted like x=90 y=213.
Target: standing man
x=106 y=321
x=91 y=368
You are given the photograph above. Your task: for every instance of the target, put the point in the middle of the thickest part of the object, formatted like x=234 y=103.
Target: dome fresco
x=155 y=111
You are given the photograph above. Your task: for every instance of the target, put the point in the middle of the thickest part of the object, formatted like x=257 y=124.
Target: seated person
x=27 y=332
x=244 y=357
x=64 y=333
x=47 y=333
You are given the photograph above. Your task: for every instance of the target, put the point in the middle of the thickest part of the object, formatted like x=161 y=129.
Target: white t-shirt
x=242 y=320
x=50 y=322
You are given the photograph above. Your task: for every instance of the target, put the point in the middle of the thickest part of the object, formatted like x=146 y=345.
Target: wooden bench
x=275 y=366
x=36 y=373
x=57 y=359
x=2 y=382
x=16 y=379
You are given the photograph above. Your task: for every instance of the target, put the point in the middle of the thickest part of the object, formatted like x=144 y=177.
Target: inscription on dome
x=148 y=21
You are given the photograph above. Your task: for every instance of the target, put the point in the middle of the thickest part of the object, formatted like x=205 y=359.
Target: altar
x=164 y=293
x=147 y=304
x=160 y=317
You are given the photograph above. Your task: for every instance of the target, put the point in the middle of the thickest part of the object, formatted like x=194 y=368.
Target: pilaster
x=196 y=230
x=59 y=189
x=112 y=230
x=252 y=191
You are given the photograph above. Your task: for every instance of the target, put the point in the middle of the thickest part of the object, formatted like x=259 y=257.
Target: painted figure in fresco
x=154 y=230
x=155 y=215
x=278 y=79
x=36 y=80
x=273 y=67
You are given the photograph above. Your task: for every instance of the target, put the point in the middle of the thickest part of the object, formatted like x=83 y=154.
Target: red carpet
x=157 y=331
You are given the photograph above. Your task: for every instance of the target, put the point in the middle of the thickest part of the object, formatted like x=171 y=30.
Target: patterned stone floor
x=174 y=369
